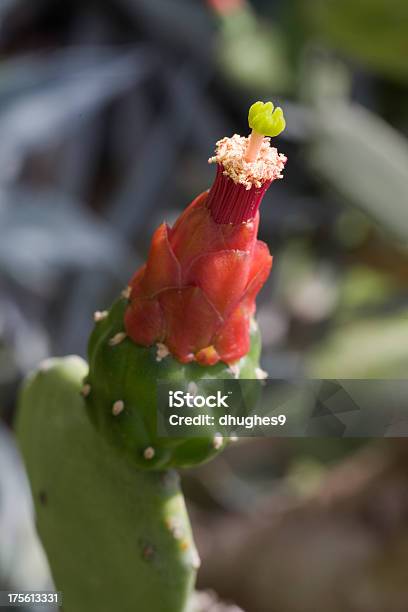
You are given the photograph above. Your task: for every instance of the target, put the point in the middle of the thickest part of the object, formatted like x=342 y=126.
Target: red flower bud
x=196 y=293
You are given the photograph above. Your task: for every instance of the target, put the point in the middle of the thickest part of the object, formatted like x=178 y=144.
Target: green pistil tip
x=264 y=119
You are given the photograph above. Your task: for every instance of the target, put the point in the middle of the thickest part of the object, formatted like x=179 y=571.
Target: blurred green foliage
x=108 y=113
x=372 y=31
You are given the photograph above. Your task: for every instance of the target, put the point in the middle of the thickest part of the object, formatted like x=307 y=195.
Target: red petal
x=220 y=266
x=261 y=264
x=223 y=276
x=190 y=321
x=233 y=341
x=242 y=236
x=198 y=202
x=136 y=278
x=144 y=321
x=162 y=268
x=196 y=233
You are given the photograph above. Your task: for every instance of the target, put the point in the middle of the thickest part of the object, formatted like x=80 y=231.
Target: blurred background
x=108 y=114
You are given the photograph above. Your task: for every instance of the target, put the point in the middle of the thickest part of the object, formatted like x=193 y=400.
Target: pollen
x=117 y=338
x=118 y=407
x=230 y=154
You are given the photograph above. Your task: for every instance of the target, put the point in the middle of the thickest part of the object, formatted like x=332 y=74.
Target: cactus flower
x=114 y=521
x=196 y=293
x=186 y=315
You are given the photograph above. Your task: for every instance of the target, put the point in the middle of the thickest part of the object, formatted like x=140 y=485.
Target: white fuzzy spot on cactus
x=118 y=407
x=175 y=527
x=149 y=453
x=162 y=351
x=195 y=559
x=86 y=389
x=261 y=374
x=253 y=326
x=100 y=315
x=192 y=388
x=234 y=369
x=117 y=338
x=218 y=441
x=46 y=364
x=205 y=601
x=126 y=292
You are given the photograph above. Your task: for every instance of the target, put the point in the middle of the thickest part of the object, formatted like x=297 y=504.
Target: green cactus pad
x=264 y=119
x=128 y=373
x=116 y=538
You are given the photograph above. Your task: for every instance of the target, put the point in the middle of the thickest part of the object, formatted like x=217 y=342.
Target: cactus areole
x=188 y=312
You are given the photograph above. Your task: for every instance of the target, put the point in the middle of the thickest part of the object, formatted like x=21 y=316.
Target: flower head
x=196 y=293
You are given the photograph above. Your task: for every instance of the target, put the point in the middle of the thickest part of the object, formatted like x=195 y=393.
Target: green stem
x=116 y=538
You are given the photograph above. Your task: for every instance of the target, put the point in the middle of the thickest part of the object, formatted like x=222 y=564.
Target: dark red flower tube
x=196 y=293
